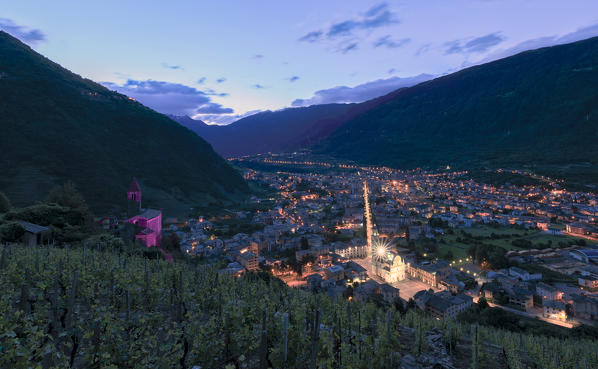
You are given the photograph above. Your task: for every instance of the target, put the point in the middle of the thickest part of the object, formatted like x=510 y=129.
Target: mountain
x=536 y=108
x=57 y=126
x=278 y=131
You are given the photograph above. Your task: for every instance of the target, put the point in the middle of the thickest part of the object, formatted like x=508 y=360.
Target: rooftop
x=32 y=228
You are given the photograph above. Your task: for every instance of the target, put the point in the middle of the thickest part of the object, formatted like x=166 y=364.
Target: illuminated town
x=438 y=239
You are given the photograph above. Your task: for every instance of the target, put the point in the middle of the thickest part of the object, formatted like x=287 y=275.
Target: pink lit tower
x=134 y=199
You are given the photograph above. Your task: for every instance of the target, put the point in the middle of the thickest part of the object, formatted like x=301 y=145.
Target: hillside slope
x=56 y=126
x=537 y=108
x=124 y=311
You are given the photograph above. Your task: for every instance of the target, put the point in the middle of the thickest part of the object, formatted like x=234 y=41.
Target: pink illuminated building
x=147 y=222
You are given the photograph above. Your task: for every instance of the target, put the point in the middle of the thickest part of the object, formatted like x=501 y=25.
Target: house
x=355 y=272
x=521 y=298
x=579 y=228
x=554 y=310
x=589 y=281
x=388 y=292
x=548 y=292
x=34 y=234
x=452 y=284
x=442 y=304
x=248 y=260
x=491 y=291
x=352 y=251
x=314 y=281
x=585 y=307
x=524 y=275
x=147 y=223
x=365 y=290
x=335 y=272
x=431 y=274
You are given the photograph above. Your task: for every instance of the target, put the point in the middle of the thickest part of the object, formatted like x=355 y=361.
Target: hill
x=284 y=130
x=92 y=308
x=538 y=108
x=56 y=126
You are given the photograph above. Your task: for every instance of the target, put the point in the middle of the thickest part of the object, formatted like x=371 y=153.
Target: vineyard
x=92 y=308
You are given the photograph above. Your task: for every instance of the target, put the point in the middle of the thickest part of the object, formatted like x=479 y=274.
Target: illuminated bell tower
x=134 y=199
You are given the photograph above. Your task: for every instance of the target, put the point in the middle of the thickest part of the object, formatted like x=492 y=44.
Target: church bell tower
x=134 y=199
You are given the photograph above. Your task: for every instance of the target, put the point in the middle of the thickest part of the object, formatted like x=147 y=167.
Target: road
x=536 y=314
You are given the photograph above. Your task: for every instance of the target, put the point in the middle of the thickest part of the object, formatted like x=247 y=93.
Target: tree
x=482 y=303
x=304 y=243
x=4 y=203
x=411 y=304
x=171 y=242
x=105 y=241
x=67 y=195
x=11 y=232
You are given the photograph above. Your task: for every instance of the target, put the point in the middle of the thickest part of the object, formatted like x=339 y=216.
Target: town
x=437 y=240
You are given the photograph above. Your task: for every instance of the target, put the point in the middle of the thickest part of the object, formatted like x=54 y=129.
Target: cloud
x=350 y=47
x=293 y=78
x=25 y=34
x=220 y=80
x=257 y=86
x=201 y=81
x=536 y=43
x=423 y=49
x=223 y=119
x=168 y=97
x=257 y=56
x=211 y=92
x=377 y=16
x=476 y=45
x=213 y=108
x=312 y=36
x=173 y=67
x=386 y=41
x=363 y=92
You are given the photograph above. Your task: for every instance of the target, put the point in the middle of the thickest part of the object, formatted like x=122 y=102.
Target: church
x=147 y=222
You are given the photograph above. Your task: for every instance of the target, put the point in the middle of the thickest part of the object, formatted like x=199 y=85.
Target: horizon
x=319 y=54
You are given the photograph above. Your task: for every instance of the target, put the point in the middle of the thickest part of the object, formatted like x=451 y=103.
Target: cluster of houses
x=311 y=205
x=526 y=291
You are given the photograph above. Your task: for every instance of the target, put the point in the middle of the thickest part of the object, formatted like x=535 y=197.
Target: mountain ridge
x=287 y=129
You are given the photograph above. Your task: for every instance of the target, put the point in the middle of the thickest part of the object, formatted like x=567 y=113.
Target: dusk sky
x=218 y=60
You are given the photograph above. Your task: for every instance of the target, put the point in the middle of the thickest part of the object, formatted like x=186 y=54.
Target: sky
x=222 y=60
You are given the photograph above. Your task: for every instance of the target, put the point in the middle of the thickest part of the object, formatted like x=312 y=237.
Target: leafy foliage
x=67 y=224
x=87 y=308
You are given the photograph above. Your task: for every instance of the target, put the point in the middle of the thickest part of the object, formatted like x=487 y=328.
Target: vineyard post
x=315 y=337
x=285 y=337
x=24 y=300
x=71 y=302
x=263 y=350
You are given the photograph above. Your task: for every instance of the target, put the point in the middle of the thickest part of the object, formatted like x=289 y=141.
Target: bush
x=106 y=241
x=11 y=232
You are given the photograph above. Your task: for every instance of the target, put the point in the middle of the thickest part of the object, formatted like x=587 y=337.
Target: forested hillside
x=537 y=109
x=56 y=126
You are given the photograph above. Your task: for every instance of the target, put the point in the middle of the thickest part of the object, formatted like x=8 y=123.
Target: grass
x=459 y=248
